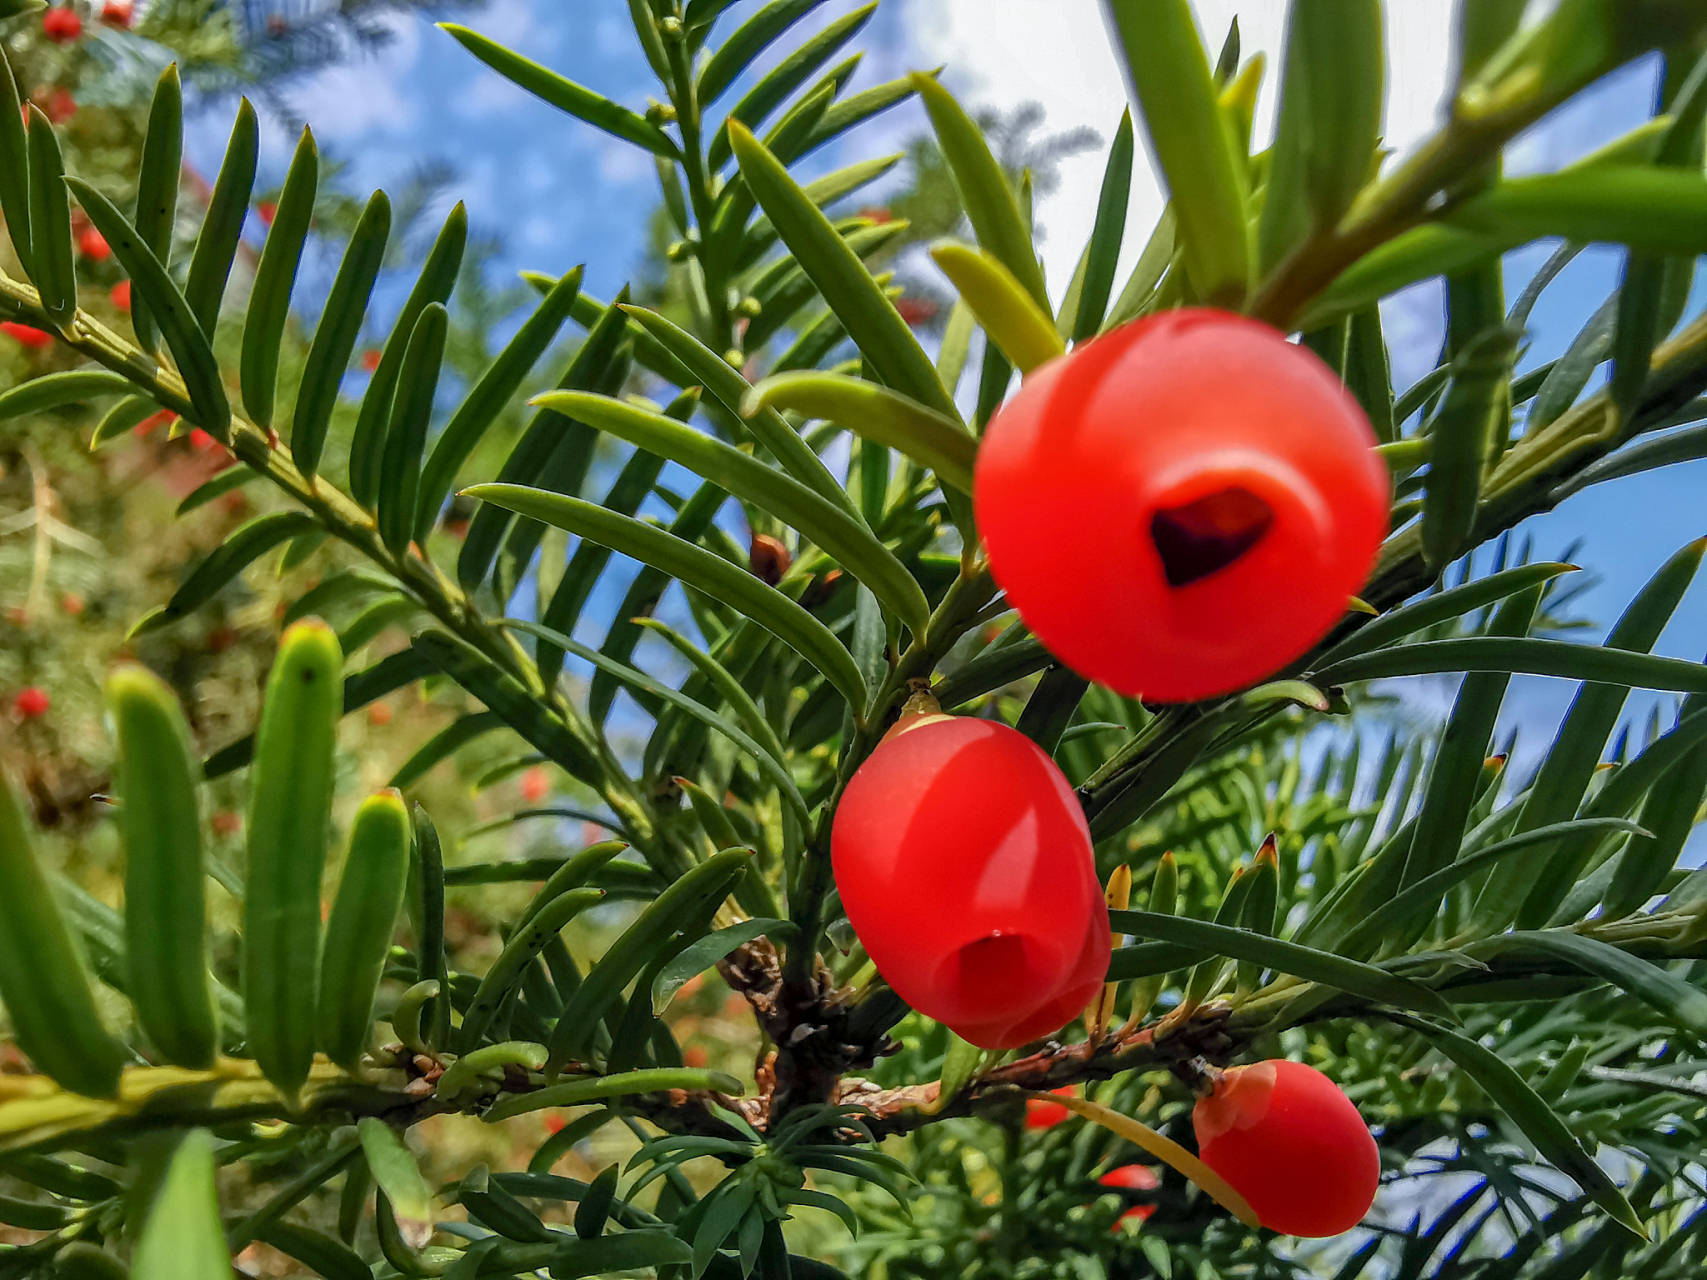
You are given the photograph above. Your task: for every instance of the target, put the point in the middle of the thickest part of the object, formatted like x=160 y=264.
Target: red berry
x=93 y=246
x=1292 y=1144
x=60 y=106
x=536 y=785
x=117 y=12
x=121 y=295
x=916 y=311
x=1046 y=1115
x=25 y=335
x=964 y=863
x=61 y=25
x=1181 y=507
x=32 y=703
x=370 y=359
x=695 y=1056
x=1133 y=1177
x=267 y=210
x=226 y=822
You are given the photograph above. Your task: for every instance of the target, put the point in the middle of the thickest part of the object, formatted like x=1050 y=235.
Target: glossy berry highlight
x=1183 y=506
x=1292 y=1144
x=964 y=864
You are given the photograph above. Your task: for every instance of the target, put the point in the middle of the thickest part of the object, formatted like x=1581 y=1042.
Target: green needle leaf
x=1018 y=325
x=1513 y=1095
x=335 y=337
x=873 y=413
x=1324 y=967
x=871 y=319
x=596 y=109
x=710 y=573
x=840 y=534
x=183 y=1238
x=275 y=278
x=1169 y=76
x=161 y=170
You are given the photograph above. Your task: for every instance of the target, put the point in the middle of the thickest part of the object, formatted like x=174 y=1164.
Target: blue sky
x=564 y=193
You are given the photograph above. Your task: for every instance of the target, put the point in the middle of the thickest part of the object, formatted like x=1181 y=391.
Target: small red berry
x=1288 y=1140
x=93 y=246
x=25 y=335
x=117 y=12
x=379 y=714
x=62 y=26
x=536 y=785
x=964 y=864
x=226 y=822
x=32 y=703
x=695 y=1056
x=1046 y=1115
x=71 y=604
x=1183 y=506
x=121 y=295
x=267 y=210
x=60 y=106
x=370 y=359
x=916 y=311
x=1133 y=1177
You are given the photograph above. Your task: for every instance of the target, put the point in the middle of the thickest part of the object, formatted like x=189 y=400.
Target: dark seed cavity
x=1201 y=537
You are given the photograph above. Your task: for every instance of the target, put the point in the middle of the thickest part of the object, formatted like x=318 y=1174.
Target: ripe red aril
x=964 y=864
x=93 y=245
x=1133 y=1177
x=61 y=25
x=121 y=295
x=25 y=335
x=1292 y=1144
x=1042 y=1114
x=31 y=703
x=1182 y=506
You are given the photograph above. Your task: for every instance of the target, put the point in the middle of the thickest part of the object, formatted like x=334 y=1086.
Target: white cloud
x=367 y=94
x=1058 y=53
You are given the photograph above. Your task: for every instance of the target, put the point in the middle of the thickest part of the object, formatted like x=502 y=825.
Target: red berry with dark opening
x=31 y=703
x=1133 y=1177
x=1183 y=506
x=1292 y=1144
x=62 y=26
x=964 y=863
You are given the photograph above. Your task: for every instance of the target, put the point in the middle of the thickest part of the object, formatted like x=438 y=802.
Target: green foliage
x=1504 y=972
